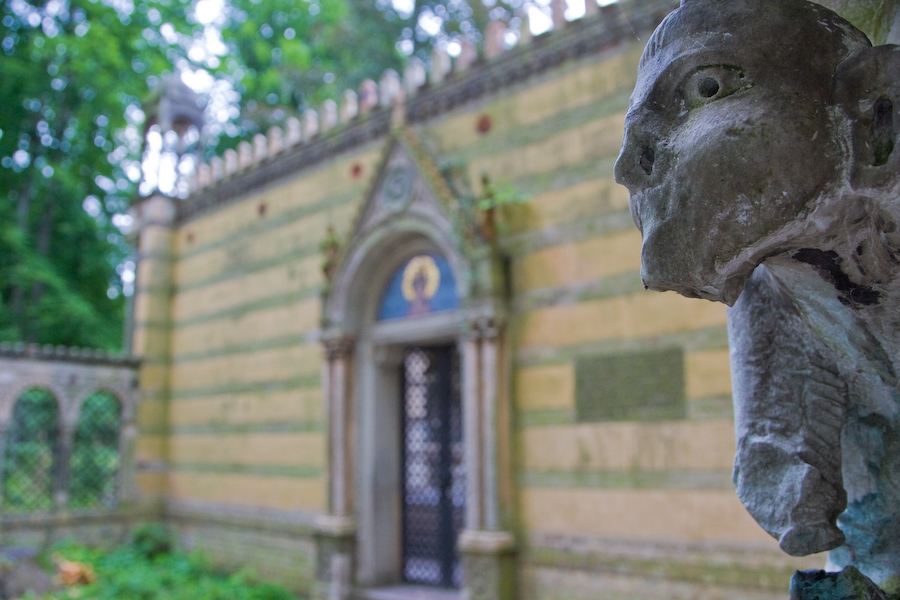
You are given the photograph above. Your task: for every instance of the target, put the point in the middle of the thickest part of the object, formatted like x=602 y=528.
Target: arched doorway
x=415 y=375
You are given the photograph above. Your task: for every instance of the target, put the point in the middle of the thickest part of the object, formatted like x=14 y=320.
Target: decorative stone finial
x=245 y=155
x=259 y=147
x=467 y=55
x=310 y=124
x=440 y=65
x=493 y=38
x=388 y=87
x=368 y=96
x=276 y=143
x=293 y=132
x=204 y=176
x=231 y=161
x=787 y=211
x=524 y=27
x=329 y=115
x=349 y=106
x=216 y=168
x=414 y=76
x=558 y=12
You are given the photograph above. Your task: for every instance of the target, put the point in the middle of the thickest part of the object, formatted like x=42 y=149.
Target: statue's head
x=739 y=123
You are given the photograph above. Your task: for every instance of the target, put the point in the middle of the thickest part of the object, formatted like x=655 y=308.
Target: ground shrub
x=148 y=569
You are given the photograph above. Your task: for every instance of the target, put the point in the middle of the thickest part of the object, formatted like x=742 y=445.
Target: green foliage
x=499 y=194
x=72 y=76
x=29 y=458
x=126 y=572
x=151 y=540
x=70 y=71
x=286 y=56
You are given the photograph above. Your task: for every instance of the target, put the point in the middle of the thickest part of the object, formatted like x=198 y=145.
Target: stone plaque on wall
x=635 y=386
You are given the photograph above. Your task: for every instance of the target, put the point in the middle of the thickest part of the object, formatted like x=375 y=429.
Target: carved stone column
x=487 y=553
x=3 y=427
x=336 y=531
x=63 y=458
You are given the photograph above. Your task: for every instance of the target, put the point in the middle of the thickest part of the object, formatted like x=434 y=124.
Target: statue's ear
x=867 y=88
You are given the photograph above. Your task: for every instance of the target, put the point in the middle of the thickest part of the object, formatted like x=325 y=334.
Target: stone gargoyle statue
x=759 y=157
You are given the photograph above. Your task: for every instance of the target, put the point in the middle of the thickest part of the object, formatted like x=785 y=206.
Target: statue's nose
x=634 y=167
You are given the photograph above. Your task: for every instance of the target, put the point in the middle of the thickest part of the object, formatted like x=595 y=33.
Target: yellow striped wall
x=245 y=422
x=577 y=292
x=245 y=418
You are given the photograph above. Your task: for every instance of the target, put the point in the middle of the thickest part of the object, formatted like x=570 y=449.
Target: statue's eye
x=708 y=87
x=713 y=82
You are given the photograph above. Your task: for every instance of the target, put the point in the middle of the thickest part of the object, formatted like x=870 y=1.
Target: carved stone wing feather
x=789 y=406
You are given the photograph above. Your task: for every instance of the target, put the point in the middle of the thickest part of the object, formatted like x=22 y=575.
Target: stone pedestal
x=848 y=584
x=335 y=550
x=488 y=562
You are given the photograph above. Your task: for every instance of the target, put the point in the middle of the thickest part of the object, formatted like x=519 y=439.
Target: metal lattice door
x=433 y=469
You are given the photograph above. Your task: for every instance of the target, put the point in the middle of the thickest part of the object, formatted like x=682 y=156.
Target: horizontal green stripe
x=688 y=480
x=269 y=223
x=270 y=344
x=237 y=428
x=160 y=255
x=518 y=136
x=708 y=338
x=509 y=140
x=257 y=470
x=607 y=287
x=240 y=310
x=546 y=416
x=711 y=407
x=247 y=268
x=733 y=571
x=295 y=383
x=579 y=229
x=152 y=289
x=148 y=324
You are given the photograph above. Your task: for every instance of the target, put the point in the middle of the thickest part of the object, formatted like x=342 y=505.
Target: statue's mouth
x=634 y=204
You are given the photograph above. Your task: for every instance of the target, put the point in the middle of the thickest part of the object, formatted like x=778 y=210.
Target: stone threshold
x=409 y=592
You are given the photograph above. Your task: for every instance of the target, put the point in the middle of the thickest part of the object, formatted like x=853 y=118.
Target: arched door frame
x=359 y=537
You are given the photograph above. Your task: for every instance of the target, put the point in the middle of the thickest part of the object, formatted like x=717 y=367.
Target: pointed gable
x=409 y=203
x=407 y=183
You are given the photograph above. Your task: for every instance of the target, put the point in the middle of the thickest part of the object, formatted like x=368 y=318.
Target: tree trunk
x=42 y=246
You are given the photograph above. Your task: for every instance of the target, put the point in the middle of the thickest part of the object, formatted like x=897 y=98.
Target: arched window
x=30 y=453
x=95 y=453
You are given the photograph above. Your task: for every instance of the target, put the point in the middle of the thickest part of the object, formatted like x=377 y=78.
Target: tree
x=70 y=79
x=285 y=56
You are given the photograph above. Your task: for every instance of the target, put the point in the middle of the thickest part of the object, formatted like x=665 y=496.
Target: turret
x=172 y=138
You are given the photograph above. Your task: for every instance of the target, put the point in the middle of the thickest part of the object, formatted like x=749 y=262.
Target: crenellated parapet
x=66 y=354
x=421 y=92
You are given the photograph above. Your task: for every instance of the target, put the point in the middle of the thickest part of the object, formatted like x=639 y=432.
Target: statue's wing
x=789 y=404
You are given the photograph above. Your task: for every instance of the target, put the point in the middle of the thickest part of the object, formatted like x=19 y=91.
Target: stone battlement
x=420 y=94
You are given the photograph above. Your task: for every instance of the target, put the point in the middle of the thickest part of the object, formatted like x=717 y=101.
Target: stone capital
x=338 y=346
x=486 y=542
x=156 y=210
x=335 y=525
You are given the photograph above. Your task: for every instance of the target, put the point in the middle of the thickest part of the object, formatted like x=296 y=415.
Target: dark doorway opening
x=433 y=467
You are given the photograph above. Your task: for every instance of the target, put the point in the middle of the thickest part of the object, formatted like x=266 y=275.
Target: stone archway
x=409 y=212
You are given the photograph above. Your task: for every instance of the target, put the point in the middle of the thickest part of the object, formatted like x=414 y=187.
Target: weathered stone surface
x=848 y=584
x=759 y=155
